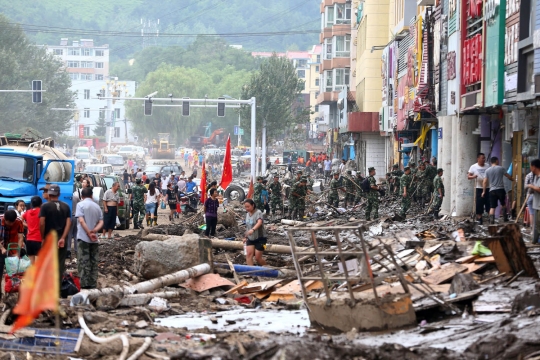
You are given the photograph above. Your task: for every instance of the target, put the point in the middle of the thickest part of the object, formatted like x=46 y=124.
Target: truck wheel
x=234 y=193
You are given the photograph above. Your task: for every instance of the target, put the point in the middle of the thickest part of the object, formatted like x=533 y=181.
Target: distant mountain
x=119 y=23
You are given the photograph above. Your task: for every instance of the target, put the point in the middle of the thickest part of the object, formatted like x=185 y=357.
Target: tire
x=234 y=193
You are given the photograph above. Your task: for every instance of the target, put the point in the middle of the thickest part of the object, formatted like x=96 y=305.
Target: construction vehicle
x=28 y=165
x=205 y=136
x=162 y=148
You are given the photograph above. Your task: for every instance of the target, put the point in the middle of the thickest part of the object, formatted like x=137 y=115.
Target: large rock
x=157 y=258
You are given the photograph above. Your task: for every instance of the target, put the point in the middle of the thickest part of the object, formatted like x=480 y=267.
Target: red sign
x=81 y=131
x=475 y=8
x=472 y=60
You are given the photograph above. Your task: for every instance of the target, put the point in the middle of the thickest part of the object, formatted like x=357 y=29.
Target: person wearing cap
x=55 y=215
x=139 y=212
x=298 y=177
x=276 y=201
x=404 y=190
x=257 y=192
x=78 y=178
x=372 y=207
x=297 y=201
x=438 y=195
x=422 y=191
x=45 y=194
x=349 y=186
x=333 y=195
x=396 y=176
x=359 y=192
x=431 y=172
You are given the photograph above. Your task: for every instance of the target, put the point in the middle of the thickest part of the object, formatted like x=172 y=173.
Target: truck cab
x=23 y=173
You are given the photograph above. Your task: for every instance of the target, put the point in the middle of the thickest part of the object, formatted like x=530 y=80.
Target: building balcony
x=363 y=122
x=336 y=30
x=327 y=98
x=335 y=63
x=325 y=3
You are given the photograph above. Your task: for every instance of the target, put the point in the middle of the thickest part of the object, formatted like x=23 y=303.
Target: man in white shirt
x=535 y=187
x=327 y=169
x=478 y=171
x=164 y=183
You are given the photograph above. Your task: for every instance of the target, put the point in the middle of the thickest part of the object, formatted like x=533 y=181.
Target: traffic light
x=36 y=91
x=185 y=107
x=148 y=107
x=221 y=108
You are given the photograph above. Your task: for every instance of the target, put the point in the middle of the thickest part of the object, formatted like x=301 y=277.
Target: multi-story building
x=88 y=67
x=318 y=122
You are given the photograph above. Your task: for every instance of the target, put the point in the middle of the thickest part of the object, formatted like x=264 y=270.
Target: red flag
x=251 y=190
x=203 y=183
x=40 y=286
x=226 y=177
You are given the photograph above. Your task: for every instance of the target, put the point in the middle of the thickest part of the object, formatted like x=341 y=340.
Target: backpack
x=365 y=185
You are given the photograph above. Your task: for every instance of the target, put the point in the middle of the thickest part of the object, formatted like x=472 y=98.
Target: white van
x=101 y=169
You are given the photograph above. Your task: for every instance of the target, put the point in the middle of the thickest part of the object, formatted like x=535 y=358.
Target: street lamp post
x=238 y=135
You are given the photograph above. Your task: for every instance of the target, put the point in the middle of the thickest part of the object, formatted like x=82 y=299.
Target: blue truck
x=26 y=165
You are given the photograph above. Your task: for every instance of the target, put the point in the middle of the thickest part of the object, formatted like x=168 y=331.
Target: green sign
x=241 y=132
x=495 y=17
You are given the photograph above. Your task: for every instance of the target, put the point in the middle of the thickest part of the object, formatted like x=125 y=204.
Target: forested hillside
x=118 y=23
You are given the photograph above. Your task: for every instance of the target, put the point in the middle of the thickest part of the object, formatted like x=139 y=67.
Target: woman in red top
x=33 y=238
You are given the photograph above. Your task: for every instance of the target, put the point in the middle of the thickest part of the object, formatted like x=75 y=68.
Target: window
x=86 y=94
x=302 y=63
x=58 y=52
x=318 y=58
x=99 y=77
x=74 y=76
x=316 y=108
x=86 y=76
x=102 y=113
x=99 y=65
x=327 y=49
x=86 y=112
x=343 y=46
x=301 y=74
x=117 y=131
x=342 y=78
x=328 y=80
x=317 y=68
x=86 y=131
x=329 y=16
x=317 y=94
x=343 y=13
x=73 y=64
x=87 y=64
x=87 y=52
x=100 y=53
x=317 y=82
x=74 y=51
x=117 y=113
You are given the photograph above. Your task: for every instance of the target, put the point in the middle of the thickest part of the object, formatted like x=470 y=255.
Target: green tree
x=20 y=63
x=277 y=89
x=101 y=126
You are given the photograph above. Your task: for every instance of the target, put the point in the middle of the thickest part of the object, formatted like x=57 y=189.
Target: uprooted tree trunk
x=145 y=286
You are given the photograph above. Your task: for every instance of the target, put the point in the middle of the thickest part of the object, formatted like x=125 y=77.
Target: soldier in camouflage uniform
x=422 y=192
x=438 y=195
x=78 y=182
x=431 y=172
x=396 y=175
x=310 y=182
x=276 y=201
x=257 y=192
x=372 y=196
x=405 y=184
x=348 y=184
x=297 y=201
x=138 y=192
x=359 y=192
x=333 y=196
x=414 y=184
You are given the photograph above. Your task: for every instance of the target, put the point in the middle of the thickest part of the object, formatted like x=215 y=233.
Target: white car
x=139 y=152
x=86 y=158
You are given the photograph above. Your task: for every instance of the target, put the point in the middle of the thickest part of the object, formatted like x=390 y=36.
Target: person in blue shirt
x=265 y=199
x=201 y=157
x=190 y=185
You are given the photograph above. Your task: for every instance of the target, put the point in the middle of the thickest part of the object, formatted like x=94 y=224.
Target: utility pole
x=125 y=128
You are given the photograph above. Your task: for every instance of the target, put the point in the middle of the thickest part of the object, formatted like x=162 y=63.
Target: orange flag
x=40 y=286
x=227 y=176
x=203 y=183
x=251 y=190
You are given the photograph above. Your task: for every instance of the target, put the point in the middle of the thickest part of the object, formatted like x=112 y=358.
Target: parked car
x=168 y=169
x=101 y=169
x=86 y=158
x=124 y=210
x=116 y=161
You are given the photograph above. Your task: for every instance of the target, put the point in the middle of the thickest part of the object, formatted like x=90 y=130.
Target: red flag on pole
x=203 y=183
x=40 y=287
x=251 y=190
x=226 y=177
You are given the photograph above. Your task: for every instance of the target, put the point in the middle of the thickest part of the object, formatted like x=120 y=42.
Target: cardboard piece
x=444 y=274
x=206 y=282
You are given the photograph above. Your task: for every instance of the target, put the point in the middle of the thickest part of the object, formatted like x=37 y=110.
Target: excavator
x=162 y=148
x=206 y=137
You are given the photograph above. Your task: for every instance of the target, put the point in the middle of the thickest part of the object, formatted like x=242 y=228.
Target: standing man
x=55 y=215
x=90 y=221
x=333 y=196
x=138 y=192
x=497 y=193
x=535 y=187
x=404 y=190
x=327 y=169
x=342 y=166
x=438 y=195
x=396 y=175
x=372 y=196
x=423 y=184
x=359 y=192
x=257 y=193
x=125 y=177
x=298 y=199
x=111 y=198
x=478 y=171
x=276 y=201
x=349 y=188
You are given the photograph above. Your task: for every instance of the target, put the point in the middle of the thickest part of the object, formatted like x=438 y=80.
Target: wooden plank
x=474 y=267
x=444 y=274
x=234 y=290
x=467 y=259
x=432 y=249
x=259 y=286
x=485 y=259
x=500 y=257
x=516 y=251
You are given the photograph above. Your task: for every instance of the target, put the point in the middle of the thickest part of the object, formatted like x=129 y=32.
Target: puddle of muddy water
x=296 y=322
